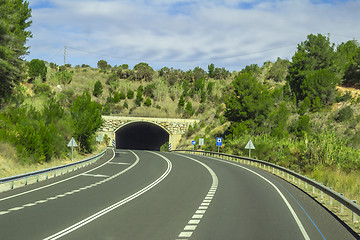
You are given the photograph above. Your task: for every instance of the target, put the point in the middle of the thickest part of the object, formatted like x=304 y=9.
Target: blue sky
x=184 y=34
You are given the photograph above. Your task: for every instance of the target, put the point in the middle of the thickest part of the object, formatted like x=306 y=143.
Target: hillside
x=302 y=114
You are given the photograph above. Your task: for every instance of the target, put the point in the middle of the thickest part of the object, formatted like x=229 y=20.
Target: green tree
x=103 y=65
x=139 y=97
x=322 y=84
x=147 y=102
x=248 y=101
x=211 y=70
x=279 y=70
x=86 y=117
x=302 y=126
x=181 y=102
x=313 y=55
x=14 y=20
x=305 y=106
x=210 y=88
x=199 y=84
x=279 y=119
x=37 y=68
x=349 y=56
x=203 y=97
x=98 y=89
x=186 y=87
x=143 y=71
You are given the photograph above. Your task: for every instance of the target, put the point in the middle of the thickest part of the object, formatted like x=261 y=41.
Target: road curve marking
x=198 y=215
x=296 y=218
x=49 y=185
x=114 y=206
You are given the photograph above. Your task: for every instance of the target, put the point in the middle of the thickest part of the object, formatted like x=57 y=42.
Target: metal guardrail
x=54 y=171
x=351 y=205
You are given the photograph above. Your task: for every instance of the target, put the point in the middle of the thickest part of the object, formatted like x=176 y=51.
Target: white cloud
x=228 y=33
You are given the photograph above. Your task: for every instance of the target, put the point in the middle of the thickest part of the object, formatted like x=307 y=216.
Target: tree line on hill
x=295 y=119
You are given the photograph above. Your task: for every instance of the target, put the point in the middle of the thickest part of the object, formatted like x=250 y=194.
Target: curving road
x=152 y=195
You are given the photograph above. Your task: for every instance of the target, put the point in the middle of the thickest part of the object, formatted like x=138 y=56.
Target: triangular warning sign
x=72 y=143
x=250 y=145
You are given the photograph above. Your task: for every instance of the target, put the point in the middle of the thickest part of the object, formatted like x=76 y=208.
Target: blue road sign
x=193 y=142
x=219 y=141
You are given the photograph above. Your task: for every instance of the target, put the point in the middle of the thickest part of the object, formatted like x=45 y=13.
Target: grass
x=9 y=166
x=347 y=183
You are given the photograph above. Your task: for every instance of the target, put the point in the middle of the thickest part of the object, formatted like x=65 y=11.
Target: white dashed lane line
x=200 y=212
x=73 y=191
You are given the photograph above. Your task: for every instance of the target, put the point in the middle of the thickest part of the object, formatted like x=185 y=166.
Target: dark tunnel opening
x=141 y=136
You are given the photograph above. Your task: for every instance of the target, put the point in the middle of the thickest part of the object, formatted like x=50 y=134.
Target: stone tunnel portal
x=141 y=136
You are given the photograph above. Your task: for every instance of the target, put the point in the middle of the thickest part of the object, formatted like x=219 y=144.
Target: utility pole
x=64 y=55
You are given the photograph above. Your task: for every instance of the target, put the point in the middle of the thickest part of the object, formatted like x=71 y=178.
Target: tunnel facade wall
x=174 y=127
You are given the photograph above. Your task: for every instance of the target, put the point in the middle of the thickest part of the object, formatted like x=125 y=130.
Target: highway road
x=154 y=195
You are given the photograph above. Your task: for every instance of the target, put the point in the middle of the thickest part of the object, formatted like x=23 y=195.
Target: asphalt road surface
x=153 y=195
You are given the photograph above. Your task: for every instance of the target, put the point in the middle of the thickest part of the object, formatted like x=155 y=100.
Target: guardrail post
x=313 y=190
x=306 y=185
x=273 y=170
x=37 y=178
x=330 y=199
x=12 y=184
x=322 y=195
x=341 y=205
x=47 y=175
x=288 y=176
x=354 y=217
x=293 y=179
x=299 y=182
x=54 y=173
x=25 y=181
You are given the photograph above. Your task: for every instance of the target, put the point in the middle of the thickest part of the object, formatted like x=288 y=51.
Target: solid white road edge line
x=114 y=206
x=296 y=218
x=49 y=185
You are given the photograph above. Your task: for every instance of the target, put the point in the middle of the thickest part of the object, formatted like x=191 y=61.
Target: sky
x=184 y=34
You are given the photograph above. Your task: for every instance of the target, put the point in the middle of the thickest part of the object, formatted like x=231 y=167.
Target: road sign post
x=72 y=144
x=99 y=139
x=201 y=143
x=193 y=143
x=219 y=143
x=250 y=146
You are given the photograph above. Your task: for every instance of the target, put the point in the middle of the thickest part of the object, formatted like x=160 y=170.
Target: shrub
x=130 y=94
x=43 y=89
x=189 y=109
x=98 y=89
x=344 y=114
x=37 y=68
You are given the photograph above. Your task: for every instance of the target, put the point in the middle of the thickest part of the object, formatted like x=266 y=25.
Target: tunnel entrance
x=141 y=136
